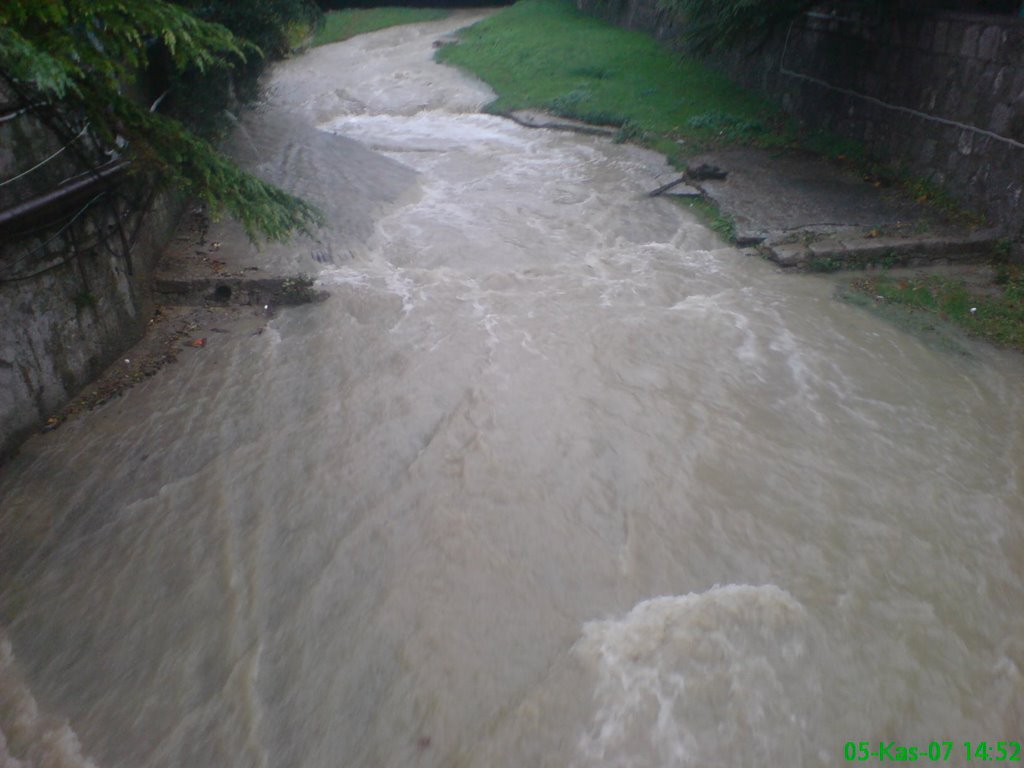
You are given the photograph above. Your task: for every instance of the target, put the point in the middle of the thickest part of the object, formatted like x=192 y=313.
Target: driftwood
x=667 y=187
x=703 y=172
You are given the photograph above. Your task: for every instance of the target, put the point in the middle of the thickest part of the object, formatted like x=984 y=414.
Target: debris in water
x=705 y=171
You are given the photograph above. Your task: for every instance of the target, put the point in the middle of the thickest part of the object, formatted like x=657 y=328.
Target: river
x=554 y=477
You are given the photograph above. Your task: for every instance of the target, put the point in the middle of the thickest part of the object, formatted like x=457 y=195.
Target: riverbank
x=549 y=56
x=546 y=55
x=338 y=26
x=808 y=200
x=986 y=302
x=551 y=451
x=206 y=283
x=199 y=301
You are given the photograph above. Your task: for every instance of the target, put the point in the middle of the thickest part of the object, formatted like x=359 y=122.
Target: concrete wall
x=70 y=302
x=941 y=93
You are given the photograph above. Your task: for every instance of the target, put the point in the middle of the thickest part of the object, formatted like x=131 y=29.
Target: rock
x=788 y=255
x=705 y=172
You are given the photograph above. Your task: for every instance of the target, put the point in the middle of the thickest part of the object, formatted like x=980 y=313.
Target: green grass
x=712 y=217
x=995 y=314
x=544 y=54
x=341 y=25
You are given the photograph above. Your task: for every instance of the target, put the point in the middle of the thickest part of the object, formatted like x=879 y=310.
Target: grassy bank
x=547 y=55
x=993 y=312
x=544 y=54
x=341 y=25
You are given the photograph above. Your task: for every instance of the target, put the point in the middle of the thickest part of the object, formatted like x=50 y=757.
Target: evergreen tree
x=83 y=55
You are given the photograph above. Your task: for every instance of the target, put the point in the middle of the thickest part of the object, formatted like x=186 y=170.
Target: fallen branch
x=667 y=187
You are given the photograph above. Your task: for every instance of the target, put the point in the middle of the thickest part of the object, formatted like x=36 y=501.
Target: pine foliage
x=82 y=55
x=267 y=23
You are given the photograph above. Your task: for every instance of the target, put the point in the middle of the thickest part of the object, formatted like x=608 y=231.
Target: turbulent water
x=554 y=478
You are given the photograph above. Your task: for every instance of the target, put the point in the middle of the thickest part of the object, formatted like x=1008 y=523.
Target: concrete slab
x=769 y=193
x=805 y=211
x=830 y=253
x=803 y=208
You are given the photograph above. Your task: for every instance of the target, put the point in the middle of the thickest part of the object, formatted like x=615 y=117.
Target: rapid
x=554 y=477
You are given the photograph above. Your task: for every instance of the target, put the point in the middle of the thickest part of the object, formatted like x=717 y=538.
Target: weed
x=297 y=289
x=1002 y=250
x=726 y=126
x=922 y=323
x=672 y=149
x=712 y=216
x=569 y=104
x=578 y=104
x=853 y=262
x=628 y=131
x=997 y=316
x=888 y=261
x=602 y=117
x=925 y=191
x=825 y=264
x=919 y=189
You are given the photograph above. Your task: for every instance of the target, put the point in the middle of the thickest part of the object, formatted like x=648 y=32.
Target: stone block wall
x=939 y=93
x=70 y=300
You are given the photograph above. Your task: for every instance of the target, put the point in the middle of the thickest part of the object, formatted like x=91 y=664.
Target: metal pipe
x=50 y=205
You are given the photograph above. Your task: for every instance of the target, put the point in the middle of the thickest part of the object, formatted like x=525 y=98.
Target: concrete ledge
x=860 y=253
x=237 y=291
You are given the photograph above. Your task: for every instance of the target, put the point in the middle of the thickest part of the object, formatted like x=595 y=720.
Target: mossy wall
x=939 y=93
x=72 y=297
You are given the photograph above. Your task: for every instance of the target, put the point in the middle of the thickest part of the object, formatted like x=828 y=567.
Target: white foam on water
x=717 y=678
x=430 y=131
x=30 y=738
x=343 y=276
x=536 y=396
x=402 y=286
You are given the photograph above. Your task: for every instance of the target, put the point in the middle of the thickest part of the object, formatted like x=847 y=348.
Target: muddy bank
x=199 y=300
x=210 y=277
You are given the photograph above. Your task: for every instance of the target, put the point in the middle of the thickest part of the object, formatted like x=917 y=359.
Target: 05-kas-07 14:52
x=935 y=751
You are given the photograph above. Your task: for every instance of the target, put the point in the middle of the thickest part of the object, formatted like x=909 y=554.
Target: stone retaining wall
x=939 y=93
x=71 y=298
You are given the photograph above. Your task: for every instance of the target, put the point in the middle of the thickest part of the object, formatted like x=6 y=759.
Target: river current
x=553 y=478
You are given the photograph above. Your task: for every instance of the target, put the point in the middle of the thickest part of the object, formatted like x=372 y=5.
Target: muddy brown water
x=554 y=478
